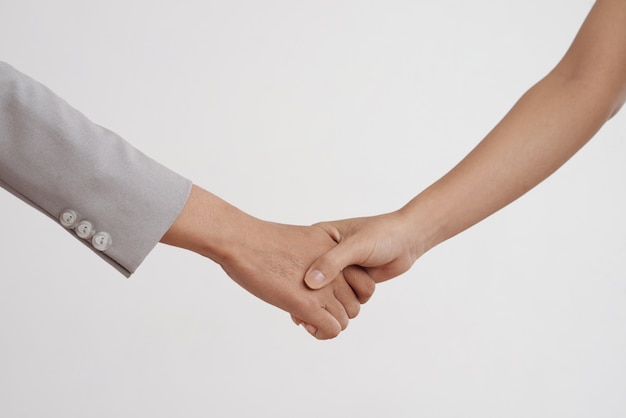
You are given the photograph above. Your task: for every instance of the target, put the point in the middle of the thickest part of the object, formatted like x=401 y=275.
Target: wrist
x=425 y=225
x=210 y=227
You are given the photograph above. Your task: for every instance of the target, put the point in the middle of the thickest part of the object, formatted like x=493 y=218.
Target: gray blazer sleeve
x=55 y=159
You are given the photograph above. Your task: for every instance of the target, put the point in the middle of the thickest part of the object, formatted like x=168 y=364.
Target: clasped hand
x=342 y=260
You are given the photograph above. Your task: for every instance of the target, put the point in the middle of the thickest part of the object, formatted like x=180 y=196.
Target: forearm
x=548 y=125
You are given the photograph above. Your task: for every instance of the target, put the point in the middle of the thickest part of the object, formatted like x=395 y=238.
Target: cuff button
x=69 y=218
x=85 y=229
x=102 y=241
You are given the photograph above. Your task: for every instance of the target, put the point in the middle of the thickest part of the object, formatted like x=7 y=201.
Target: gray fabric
x=54 y=158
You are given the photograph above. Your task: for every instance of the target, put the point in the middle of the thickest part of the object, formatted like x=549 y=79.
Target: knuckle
x=309 y=304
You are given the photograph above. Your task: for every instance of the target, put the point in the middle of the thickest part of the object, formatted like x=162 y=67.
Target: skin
x=549 y=124
x=269 y=260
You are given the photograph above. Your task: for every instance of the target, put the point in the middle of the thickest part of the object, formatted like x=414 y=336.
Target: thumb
x=329 y=265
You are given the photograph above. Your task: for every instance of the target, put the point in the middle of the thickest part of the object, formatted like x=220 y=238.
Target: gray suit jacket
x=58 y=161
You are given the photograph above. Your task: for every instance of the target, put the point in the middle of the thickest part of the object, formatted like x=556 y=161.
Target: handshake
x=320 y=274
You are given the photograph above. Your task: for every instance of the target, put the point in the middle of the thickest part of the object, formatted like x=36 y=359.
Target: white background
x=299 y=112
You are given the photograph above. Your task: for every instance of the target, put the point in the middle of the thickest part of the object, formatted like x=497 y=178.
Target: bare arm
x=548 y=125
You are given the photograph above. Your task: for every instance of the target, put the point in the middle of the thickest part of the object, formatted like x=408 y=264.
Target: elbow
x=603 y=88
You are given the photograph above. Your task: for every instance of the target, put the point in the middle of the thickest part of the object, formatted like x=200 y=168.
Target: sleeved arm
x=58 y=161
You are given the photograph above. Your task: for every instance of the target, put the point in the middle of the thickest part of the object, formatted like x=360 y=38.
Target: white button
x=69 y=218
x=85 y=229
x=102 y=241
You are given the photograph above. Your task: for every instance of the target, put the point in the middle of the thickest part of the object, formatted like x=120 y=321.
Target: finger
x=361 y=283
x=346 y=297
x=338 y=311
x=310 y=329
x=329 y=265
x=296 y=320
x=324 y=333
x=321 y=322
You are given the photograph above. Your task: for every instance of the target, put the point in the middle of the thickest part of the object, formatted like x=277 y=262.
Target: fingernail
x=315 y=278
